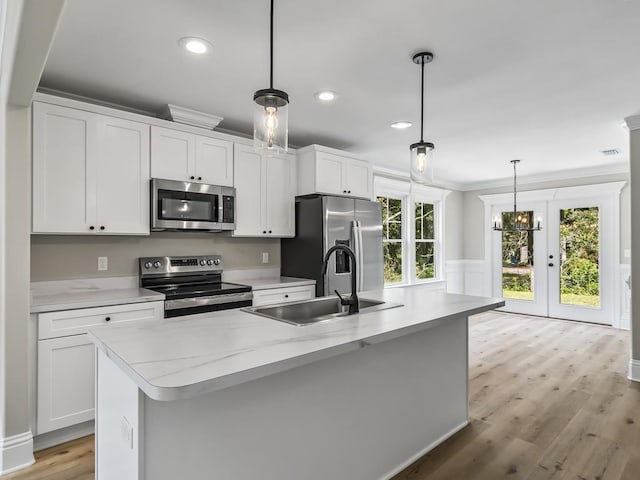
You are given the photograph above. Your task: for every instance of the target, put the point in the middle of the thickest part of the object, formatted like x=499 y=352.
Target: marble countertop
x=72 y=298
x=187 y=356
x=277 y=282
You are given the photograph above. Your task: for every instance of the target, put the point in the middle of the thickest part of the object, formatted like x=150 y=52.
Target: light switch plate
x=265 y=257
x=627 y=253
x=103 y=263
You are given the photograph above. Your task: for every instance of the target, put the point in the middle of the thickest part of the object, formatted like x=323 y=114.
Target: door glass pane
x=392 y=238
x=579 y=257
x=425 y=241
x=517 y=258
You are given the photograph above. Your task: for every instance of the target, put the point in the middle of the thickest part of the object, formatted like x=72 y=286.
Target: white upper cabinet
x=265 y=194
x=329 y=171
x=185 y=157
x=90 y=173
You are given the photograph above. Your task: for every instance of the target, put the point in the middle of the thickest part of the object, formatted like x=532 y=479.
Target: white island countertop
x=188 y=356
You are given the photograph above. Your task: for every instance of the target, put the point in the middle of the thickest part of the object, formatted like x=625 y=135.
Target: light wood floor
x=549 y=401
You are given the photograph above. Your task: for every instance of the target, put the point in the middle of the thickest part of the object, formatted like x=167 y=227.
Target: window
x=425 y=244
x=392 y=238
x=412 y=231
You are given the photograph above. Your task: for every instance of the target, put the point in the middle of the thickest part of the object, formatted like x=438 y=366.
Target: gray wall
x=473 y=247
x=61 y=257
x=453 y=226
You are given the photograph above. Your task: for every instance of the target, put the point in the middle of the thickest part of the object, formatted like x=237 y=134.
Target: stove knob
x=217 y=261
x=203 y=262
x=156 y=265
x=209 y=262
x=147 y=265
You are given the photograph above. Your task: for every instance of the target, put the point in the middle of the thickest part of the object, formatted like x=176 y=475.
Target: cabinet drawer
x=283 y=295
x=75 y=322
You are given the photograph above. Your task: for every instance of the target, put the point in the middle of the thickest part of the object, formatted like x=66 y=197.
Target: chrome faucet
x=352 y=301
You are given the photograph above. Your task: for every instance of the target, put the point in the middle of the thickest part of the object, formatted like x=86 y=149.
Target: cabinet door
x=122 y=180
x=279 y=188
x=330 y=173
x=60 y=150
x=172 y=154
x=248 y=180
x=65 y=382
x=358 y=178
x=214 y=161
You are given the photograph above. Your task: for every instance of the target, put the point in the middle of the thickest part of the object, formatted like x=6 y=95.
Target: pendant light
x=520 y=220
x=422 y=152
x=270 y=118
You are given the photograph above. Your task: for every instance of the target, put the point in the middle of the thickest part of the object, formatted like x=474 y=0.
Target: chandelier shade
x=520 y=222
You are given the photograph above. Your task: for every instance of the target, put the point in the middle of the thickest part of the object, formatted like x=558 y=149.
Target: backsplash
x=65 y=257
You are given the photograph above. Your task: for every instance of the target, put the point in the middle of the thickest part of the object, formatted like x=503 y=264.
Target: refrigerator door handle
x=357 y=236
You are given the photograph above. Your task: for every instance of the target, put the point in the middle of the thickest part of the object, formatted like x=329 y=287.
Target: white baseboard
x=16 y=452
x=424 y=451
x=634 y=370
x=63 y=435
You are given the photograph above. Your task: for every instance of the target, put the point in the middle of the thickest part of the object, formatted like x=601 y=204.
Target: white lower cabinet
x=65 y=382
x=283 y=295
x=66 y=356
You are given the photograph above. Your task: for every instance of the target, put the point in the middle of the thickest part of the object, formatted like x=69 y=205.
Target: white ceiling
x=546 y=81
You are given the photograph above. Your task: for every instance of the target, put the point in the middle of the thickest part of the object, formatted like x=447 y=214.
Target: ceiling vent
x=610 y=152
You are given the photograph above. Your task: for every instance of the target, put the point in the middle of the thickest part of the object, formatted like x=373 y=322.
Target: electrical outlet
x=265 y=257
x=627 y=253
x=103 y=263
x=126 y=433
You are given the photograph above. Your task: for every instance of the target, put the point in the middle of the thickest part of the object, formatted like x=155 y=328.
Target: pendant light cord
x=271 y=48
x=514 y=191
x=422 y=105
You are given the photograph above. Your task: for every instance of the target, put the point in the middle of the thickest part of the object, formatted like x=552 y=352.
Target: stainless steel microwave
x=191 y=206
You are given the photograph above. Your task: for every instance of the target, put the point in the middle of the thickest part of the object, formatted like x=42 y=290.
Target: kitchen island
x=233 y=395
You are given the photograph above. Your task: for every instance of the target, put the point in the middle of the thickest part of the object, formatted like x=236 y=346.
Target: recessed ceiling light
x=401 y=125
x=194 y=45
x=326 y=95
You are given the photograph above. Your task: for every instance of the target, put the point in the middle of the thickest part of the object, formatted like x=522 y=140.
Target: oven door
x=185 y=206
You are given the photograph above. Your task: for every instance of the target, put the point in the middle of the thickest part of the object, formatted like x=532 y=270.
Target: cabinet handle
x=192 y=178
x=264 y=231
x=199 y=178
x=270 y=231
x=344 y=191
x=286 y=295
x=349 y=191
x=101 y=227
x=92 y=227
x=107 y=319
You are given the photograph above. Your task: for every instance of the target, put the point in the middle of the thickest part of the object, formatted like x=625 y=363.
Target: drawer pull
x=107 y=319
x=286 y=295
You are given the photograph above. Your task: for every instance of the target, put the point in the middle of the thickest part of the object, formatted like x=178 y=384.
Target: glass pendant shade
x=270 y=121
x=422 y=162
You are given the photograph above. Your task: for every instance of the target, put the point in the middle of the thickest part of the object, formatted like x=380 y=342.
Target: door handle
x=551 y=264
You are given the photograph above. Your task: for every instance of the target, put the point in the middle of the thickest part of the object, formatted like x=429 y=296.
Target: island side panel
x=361 y=415
x=118 y=423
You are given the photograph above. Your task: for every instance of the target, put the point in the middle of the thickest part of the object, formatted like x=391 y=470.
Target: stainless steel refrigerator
x=325 y=221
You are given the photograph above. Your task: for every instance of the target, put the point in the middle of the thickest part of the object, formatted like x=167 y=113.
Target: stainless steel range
x=192 y=284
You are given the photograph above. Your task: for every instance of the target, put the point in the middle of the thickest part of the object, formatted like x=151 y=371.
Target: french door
x=567 y=269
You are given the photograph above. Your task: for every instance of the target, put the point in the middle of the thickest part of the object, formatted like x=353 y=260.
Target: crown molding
x=404 y=177
x=614 y=169
x=633 y=122
x=190 y=117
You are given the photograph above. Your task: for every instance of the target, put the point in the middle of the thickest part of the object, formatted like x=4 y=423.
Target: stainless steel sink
x=316 y=310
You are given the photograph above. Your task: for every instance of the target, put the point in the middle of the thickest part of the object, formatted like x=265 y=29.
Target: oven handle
x=210 y=300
